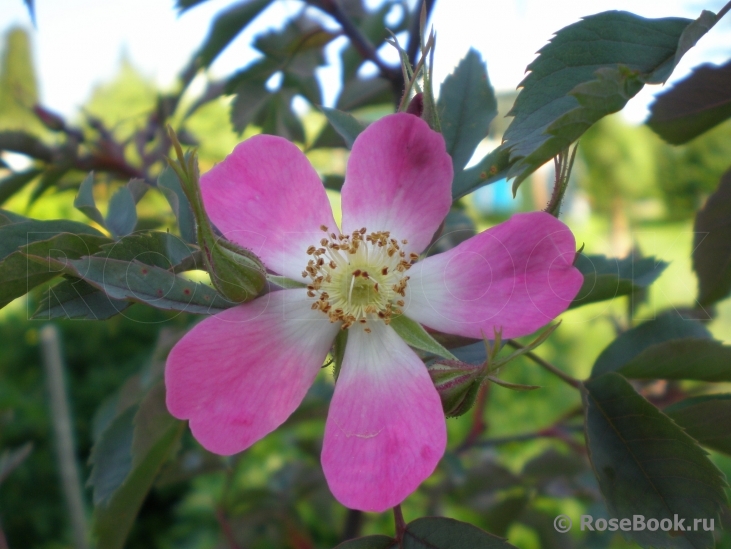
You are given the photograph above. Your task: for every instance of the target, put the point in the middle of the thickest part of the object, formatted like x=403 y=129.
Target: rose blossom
x=239 y=374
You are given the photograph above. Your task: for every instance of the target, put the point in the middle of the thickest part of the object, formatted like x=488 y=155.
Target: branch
x=398 y=518
x=575 y=383
x=359 y=40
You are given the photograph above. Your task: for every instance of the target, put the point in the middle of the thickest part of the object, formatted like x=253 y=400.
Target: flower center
x=358 y=277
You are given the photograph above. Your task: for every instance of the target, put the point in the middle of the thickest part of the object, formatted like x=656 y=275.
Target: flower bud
x=235 y=272
x=457 y=384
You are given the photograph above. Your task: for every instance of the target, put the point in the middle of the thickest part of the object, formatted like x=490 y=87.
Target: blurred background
x=629 y=191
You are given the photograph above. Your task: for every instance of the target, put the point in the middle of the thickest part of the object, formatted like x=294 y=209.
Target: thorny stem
x=563 y=163
x=398 y=518
x=575 y=383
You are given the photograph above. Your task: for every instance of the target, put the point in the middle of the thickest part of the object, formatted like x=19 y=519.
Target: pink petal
x=267 y=197
x=516 y=276
x=385 y=431
x=398 y=179
x=238 y=375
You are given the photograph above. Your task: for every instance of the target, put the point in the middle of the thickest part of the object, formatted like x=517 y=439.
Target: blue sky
x=79 y=43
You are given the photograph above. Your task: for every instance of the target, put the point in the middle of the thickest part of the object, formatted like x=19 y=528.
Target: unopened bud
x=50 y=119
x=235 y=271
x=457 y=384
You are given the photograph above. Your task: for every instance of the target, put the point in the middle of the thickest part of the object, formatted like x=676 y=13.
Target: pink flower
x=239 y=374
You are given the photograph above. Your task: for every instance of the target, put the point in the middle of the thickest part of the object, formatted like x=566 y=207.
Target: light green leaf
x=169 y=185
x=491 y=168
x=415 y=335
x=16 y=181
x=647 y=465
x=84 y=201
x=74 y=298
x=15 y=235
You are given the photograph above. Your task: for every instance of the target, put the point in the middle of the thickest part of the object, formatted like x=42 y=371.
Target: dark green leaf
x=608 y=277
x=16 y=181
x=74 y=298
x=647 y=465
x=445 y=533
x=7 y=218
x=155 y=437
x=693 y=105
x=251 y=98
x=226 y=26
x=369 y=542
x=122 y=214
x=155 y=248
x=490 y=169
x=344 y=123
x=19 y=275
x=706 y=419
x=588 y=70
x=630 y=344
x=415 y=335
x=712 y=245
x=15 y=235
x=147 y=284
x=466 y=107
x=698 y=359
x=111 y=456
x=85 y=202
x=169 y=184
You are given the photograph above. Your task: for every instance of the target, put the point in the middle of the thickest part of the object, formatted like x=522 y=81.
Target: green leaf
x=491 y=168
x=466 y=107
x=251 y=98
x=16 y=181
x=647 y=465
x=85 y=202
x=446 y=533
x=705 y=418
x=360 y=92
x=369 y=542
x=111 y=456
x=19 y=275
x=142 y=283
x=154 y=248
x=693 y=105
x=7 y=218
x=697 y=359
x=226 y=26
x=344 y=123
x=630 y=344
x=74 y=298
x=415 y=335
x=588 y=70
x=184 y=5
x=607 y=278
x=169 y=185
x=15 y=235
x=122 y=213
x=712 y=245
x=155 y=436
x=48 y=179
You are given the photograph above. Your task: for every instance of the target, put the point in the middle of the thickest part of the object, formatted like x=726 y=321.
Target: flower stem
x=575 y=383
x=398 y=518
x=724 y=10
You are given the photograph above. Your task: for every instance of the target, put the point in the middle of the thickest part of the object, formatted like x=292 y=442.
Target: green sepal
x=457 y=383
x=415 y=335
